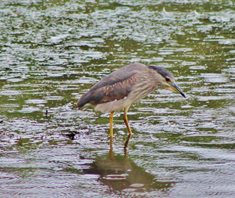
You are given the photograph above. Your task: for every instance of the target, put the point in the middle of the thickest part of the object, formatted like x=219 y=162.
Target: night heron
x=125 y=86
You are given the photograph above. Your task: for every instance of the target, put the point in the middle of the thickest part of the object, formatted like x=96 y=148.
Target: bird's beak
x=175 y=87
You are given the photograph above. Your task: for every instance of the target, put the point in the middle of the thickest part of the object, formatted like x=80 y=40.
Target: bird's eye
x=168 y=79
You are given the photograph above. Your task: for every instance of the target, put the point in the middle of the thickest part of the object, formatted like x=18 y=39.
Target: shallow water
x=52 y=52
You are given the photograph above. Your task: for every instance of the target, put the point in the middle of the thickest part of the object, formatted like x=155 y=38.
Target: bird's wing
x=115 y=86
x=119 y=75
x=115 y=91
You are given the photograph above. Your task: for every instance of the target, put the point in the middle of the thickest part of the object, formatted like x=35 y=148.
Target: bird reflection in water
x=121 y=174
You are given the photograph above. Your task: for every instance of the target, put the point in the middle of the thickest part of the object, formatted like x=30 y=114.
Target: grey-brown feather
x=115 y=86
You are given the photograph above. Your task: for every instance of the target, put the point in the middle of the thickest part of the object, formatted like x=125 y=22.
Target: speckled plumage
x=119 y=89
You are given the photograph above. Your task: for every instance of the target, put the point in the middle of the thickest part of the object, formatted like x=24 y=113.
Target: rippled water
x=52 y=51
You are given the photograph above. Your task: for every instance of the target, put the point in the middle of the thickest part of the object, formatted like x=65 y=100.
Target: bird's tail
x=83 y=100
x=80 y=104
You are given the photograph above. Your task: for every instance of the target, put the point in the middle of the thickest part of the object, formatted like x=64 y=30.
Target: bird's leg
x=110 y=146
x=126 y=122
x=126 y=143
x=111 y=125
x=128 y=128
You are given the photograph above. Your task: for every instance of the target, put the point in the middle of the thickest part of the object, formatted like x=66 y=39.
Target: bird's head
x=166 y=79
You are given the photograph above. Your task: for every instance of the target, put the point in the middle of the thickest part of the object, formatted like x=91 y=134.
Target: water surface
x=52 y=52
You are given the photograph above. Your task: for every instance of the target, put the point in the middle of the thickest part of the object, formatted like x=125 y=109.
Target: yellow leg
x=110 y=146
x=126 y=122
x=111 y=124
x=128 y=128
x=126 y=143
